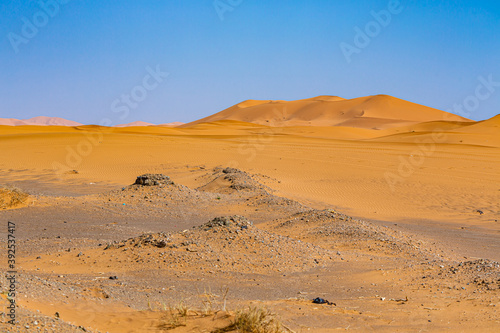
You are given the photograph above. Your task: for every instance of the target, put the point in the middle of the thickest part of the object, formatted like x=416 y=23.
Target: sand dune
x=11 y=122
x=372 y=112
x=172 y=124
x=143 y=123
x=50 y=121
x=135 y=123
x=40 y=121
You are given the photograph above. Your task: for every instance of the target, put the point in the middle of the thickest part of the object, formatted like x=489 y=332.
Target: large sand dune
x=372 y=112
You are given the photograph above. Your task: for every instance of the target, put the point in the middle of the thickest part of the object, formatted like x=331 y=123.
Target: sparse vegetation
x=253 y=320
x=248 y=320
x=210 y=303
x=11 y=197
x=175 y=317
x=182 y=310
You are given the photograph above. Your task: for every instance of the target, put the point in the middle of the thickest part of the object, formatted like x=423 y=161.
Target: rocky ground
x=87 y=263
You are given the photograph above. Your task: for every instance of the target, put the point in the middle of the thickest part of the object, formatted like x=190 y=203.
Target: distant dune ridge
x=56 y=121
x=135 y=123
x=40 y=121
x=377 y=112
x=371 y=112
x=143 y=123
x=11 y=122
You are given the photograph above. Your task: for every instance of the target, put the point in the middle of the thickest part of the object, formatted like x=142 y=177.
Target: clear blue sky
x=87 y=54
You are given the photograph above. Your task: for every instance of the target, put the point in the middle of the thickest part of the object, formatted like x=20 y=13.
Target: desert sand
x=387 y=208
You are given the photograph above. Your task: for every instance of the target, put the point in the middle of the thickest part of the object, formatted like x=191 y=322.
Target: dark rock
x=231 y=170
x=235 y=221
x=319 y=300
x=150 y=179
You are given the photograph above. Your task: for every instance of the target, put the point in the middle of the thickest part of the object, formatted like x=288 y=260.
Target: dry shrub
x=254 y=320
x=175 y=316
x=10 y=197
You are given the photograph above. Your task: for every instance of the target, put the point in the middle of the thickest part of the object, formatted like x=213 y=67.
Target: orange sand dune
x=491 y=125
x=484 y=133
x=372 y=112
